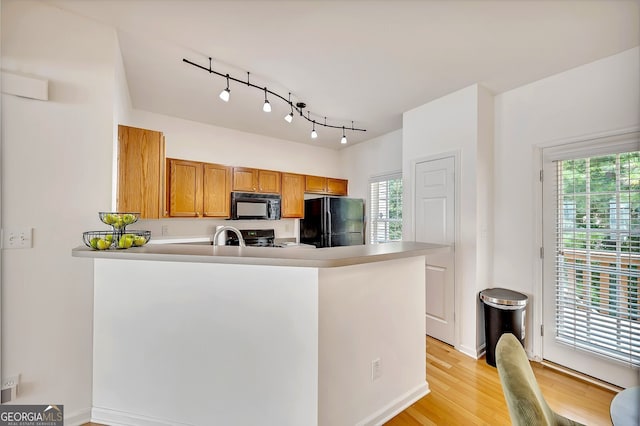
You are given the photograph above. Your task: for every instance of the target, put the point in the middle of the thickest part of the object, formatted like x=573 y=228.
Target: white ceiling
x=366 y=61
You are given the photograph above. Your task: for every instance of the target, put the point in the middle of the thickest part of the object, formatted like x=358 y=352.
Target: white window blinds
x=598 y=255
x=385 y=204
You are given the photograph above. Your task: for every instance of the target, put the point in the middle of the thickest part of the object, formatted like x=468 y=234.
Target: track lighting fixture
x=224 y=95
x=266 y=107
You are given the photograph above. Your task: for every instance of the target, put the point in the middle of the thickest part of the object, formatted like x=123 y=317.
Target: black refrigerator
x=333 y=222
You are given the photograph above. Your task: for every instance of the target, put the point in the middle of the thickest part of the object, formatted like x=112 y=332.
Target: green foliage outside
x=600 y=202
x=395 y=209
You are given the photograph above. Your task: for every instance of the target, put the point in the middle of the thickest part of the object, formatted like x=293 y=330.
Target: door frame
x=456 y=221
x=537 y=312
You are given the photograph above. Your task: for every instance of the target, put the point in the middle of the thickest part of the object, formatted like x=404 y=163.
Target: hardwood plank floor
x=468 y=392
x=465 y=391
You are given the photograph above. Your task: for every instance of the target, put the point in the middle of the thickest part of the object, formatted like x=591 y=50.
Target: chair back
x=521 y=391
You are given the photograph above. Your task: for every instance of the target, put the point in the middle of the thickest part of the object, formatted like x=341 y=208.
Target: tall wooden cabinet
x=140 y=171
x=197 y=189
x=292 y=195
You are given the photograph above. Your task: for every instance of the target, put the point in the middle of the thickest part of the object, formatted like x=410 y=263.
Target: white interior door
x=435 y=223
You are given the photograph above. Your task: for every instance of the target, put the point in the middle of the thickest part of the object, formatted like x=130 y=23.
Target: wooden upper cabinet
x=337 y=186
x=315 y=184
x=184 y=188
x=269 y=181
x=245 y=179
x=292 y=195
x=140 y=171
x=197 y=189
x=216 y=190
x=324 y=185
x=255 y=180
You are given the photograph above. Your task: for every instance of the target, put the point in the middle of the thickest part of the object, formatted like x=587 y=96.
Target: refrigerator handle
x=328 y=228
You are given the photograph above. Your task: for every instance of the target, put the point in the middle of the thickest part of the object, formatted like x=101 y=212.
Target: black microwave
x=249 y=205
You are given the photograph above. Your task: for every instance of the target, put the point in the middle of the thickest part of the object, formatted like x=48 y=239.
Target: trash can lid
x=503 y=296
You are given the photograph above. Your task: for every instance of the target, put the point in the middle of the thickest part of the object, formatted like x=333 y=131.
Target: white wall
x=56 y=175
x=456 y=123
x=597 y=98
x=375 y=157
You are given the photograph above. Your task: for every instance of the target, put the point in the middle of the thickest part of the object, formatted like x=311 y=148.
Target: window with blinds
x=385 y=204
x=598 y=255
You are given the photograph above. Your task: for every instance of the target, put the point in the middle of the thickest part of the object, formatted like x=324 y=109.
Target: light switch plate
x=17 y=238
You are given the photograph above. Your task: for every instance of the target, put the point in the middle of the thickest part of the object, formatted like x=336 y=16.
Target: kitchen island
x=202 y=335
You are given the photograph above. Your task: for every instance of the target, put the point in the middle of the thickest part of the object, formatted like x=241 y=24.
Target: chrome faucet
x=222 y=229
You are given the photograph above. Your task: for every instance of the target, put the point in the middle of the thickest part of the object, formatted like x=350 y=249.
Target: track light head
x=267 y=106
x=289 y=117
x=344 y=137
x=314 y=134
x=224 y=95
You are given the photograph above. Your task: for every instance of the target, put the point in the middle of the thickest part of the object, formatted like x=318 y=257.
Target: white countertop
x=274 y=256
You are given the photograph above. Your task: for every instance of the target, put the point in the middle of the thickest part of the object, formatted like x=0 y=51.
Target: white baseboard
x=474 y=353
x=396 y=406
x=78 y=418
x=121 y=418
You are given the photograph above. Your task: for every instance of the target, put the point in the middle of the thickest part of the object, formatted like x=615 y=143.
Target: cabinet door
x=268 y=181
x=336 y=186
x=245 y=179
x=185 y=188
x=140 y=171
x=216 y=190
x=315 y=184
x=292 y=195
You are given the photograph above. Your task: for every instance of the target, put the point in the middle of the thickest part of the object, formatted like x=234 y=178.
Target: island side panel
x=197 y=343
x=370 y=312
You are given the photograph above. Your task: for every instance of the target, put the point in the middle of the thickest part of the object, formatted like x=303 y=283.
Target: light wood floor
x=468 y=392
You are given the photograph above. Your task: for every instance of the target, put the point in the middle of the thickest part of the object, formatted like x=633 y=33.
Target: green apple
x=125 y=242
x=139 y=241
x=110 y=219
x=108 y=237
x=128 y=218
x=94 y=242
x=102 y=244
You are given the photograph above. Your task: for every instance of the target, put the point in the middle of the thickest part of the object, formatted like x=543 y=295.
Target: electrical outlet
x=165 y=229
x=376 y=369
x=17 y=238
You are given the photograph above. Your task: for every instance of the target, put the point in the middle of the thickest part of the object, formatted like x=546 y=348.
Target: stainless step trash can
x=504 y=312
